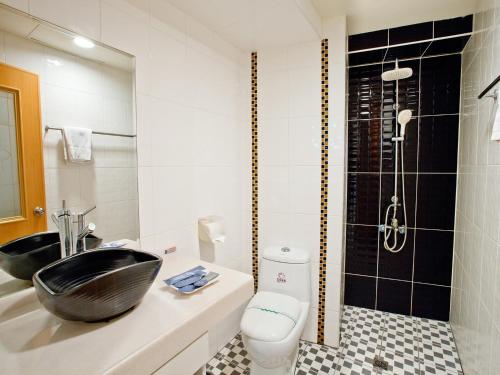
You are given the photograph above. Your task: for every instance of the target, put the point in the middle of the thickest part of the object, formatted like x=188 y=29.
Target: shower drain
x=380 y=363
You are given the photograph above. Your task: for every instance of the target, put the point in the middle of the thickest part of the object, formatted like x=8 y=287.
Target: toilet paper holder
x=211 y=229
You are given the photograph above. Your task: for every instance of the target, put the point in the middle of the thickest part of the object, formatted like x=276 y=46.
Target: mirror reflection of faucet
x=72 y=239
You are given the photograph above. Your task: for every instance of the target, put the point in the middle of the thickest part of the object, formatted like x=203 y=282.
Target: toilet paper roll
x=211 y=229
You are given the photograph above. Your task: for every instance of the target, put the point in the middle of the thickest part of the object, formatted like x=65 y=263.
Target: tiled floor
x=411 y=346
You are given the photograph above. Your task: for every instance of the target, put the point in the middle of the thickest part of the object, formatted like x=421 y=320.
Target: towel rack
x=47 y=128
x=490 y=86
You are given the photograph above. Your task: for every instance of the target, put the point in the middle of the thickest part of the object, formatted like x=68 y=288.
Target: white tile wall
x=475 y=304
x=289 y=103
x=289 y=153
x=78 y=92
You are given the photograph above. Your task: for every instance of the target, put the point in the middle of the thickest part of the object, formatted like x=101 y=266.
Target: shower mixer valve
x=401 y=229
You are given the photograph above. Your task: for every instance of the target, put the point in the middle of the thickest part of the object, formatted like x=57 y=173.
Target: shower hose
x=388 y=229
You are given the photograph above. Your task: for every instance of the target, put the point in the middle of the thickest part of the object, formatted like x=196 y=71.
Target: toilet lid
x=270 y=316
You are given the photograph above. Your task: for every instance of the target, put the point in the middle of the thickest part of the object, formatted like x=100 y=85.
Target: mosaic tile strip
x=255 y=175
x=324 y=192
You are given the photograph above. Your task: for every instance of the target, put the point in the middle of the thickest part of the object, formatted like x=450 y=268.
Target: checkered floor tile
x=409 y=345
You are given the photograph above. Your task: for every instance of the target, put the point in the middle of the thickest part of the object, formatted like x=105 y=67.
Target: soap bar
x=190 y=273
x=187 y=288
x=188 y=281
x=208 y=277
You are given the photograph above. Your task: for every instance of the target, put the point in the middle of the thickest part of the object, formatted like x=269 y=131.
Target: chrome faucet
x=83 y=230
x=72 y=239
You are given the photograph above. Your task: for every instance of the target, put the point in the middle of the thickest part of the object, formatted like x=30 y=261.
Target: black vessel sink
x=96 y=285
x=24 y=256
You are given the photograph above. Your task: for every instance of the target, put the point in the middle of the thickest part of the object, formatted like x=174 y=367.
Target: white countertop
x=33 y=341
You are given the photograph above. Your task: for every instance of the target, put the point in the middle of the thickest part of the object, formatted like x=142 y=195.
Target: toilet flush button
x=285 y=249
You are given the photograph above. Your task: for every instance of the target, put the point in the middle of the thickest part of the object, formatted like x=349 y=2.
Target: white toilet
x=275 y=317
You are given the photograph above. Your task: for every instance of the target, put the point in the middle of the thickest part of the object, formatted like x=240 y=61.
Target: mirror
x=79 y=83
x=9 y=175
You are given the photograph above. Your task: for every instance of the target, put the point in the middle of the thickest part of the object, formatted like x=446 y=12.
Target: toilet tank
x=287 y=271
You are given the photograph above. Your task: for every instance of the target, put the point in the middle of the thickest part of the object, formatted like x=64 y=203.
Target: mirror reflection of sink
x=96 y=285
x=22 y=257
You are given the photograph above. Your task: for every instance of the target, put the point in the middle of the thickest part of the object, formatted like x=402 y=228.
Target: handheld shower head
x=403 y=118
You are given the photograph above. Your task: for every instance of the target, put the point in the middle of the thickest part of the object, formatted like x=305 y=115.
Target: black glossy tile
x=394 y=296
x=453 y=26
x=410 y=146
x=364 y=145
x=388 y=99
x=406 y=51
x=445 y=46
x=436 y=201
x=365 y=92
x=438 y=142
x=366 y=57
x=360 y=291
x=372 y=39
x=440 y=85
x=387 y=192
x=433 y=256
x=361 y=249
x=409 y=89
x=396 y=265
x=431 y=302
x=363 y=198
x=410 y=33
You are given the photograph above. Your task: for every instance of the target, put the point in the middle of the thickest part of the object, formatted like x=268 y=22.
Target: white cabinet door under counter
x=156 y=336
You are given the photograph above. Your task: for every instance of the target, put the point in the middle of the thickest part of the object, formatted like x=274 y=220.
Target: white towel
x=77 y=144
x=495 y=131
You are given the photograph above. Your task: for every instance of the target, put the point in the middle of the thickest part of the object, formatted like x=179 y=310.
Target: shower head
x=403 y=118
x=397 y=73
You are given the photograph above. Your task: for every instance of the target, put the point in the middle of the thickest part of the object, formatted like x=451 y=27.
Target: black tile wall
x=453 y=45
x=417 y=279
x=433 y=256
x=436 y=201
x=367 y=57
x=364 y=145
x=440 y=85
x=453 y=26
x=431 y=301
x=361 y=249
x=438 y=144
x=394 y=296
x=368 y=40
x=410 y=33
x=363 y=198
x=397 y=265
x=406 y=51
x=360 y=291
x=365 y=92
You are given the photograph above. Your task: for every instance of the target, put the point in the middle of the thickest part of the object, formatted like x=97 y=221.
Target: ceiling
x=370 y=15
x=256 y=24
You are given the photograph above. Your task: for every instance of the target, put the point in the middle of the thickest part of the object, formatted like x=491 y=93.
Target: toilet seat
x=270 y=317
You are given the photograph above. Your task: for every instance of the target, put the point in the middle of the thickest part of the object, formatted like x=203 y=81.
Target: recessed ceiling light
x=83 y=42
